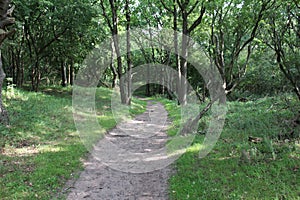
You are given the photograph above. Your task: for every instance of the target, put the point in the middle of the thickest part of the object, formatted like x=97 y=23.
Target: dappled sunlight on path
x=130 y=162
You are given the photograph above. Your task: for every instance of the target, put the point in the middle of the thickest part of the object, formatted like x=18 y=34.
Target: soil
x=119 y=167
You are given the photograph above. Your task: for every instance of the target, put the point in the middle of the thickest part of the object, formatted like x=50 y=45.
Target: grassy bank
x=227 y=173
x=41 y=149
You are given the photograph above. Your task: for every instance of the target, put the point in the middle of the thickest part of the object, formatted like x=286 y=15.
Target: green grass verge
x=41 y=149
x=273 y=170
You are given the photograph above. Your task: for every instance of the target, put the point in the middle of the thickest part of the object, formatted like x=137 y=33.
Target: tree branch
x=4 y=8
x=254 y=30
x=55 y=38
x=180 y=5
x=105 y=15
x=4 y=12
x=6 y=22
x=165 y=6
x=297 y=5
x=198 y=20
x=193 y=8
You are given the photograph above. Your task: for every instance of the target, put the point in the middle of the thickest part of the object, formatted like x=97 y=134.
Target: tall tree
x=5 y=20
x=283 y=37
x=50 y=31
x=174 y=10
x=191 y=13
x=187 y=8
x=234 y=26
x=113 y=23
x=128 y=49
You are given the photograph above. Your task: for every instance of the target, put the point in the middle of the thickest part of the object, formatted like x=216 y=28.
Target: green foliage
x=281 y=35
x=49 y=33
x=263 y=76
x=271 y=173
x=52 y=34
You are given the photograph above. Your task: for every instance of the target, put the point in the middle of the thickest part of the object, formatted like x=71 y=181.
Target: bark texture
x=5 y=20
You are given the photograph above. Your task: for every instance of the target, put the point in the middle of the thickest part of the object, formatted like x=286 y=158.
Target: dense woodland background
x=255 y=46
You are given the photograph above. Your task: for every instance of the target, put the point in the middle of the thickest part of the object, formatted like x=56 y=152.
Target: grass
x=41 y=149
x=271 y=172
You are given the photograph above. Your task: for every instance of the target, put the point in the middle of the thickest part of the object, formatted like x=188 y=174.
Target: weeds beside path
x=41 y=149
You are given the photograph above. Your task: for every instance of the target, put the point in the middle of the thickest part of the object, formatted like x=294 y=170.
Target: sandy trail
x=144 y=134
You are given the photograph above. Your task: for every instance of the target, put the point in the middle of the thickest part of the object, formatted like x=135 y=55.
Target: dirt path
x=123 y=172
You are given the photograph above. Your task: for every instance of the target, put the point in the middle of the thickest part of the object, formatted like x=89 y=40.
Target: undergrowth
x=237 y=167
x=41 y=149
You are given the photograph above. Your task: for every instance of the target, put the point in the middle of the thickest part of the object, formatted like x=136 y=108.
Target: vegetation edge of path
x=270 y=171
x=41 y=150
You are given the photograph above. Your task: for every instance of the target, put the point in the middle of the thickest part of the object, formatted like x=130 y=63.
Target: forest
x=241 y=54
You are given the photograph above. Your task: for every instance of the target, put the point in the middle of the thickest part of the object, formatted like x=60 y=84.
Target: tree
x=187 y=8
x=53 y=37
x=283 y=28
x=234 y=26
x=5 y=20
x=113 y=23
x=128 y=49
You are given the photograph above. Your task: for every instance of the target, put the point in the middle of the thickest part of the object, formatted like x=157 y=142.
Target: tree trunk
x=68 y=74
x=72 y=73
x=32 y=78
x=19 y=64
x=186 y=30
x=183 y=62
x=63 y=74
x=162 y=82
x=117 y=49
x=20 y=70
x=3 y=112
x=35 y=76
x=177 y=57
x=128 y=48
x=112 y=67
x=13 y=66
x=148 y=94
x=5 y=20
x=287 y=73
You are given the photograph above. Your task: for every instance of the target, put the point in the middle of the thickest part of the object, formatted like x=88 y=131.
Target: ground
x=128 y=176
